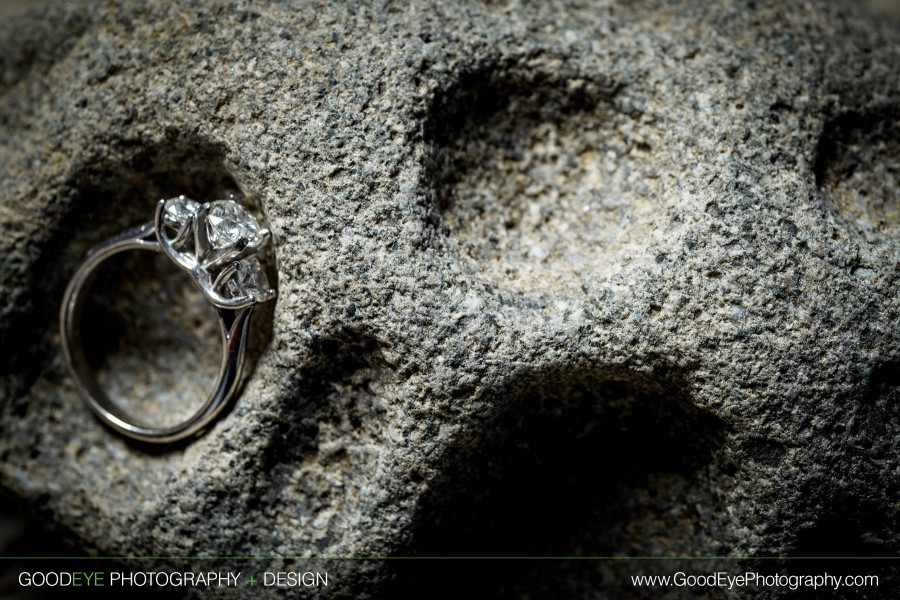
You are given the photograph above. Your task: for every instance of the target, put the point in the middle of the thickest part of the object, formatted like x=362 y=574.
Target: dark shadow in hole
x=884 y=386
x=107 y=197
x=849 y=531
x=843 y=529
x=856 y=161
x=764 y=451
x=30 y=542
x=581 y=463
x=835 y=155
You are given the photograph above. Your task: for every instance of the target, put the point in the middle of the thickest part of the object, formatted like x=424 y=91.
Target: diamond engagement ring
x=219 y=244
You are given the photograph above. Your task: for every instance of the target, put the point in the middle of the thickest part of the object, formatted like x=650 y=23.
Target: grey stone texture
x=555 y=279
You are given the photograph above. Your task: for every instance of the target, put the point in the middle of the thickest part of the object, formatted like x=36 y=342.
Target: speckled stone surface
x=555 y=278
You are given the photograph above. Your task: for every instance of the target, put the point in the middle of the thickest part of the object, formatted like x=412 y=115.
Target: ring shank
x=233 y=326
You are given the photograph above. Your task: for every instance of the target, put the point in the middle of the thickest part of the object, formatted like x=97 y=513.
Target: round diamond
x=228 y=222
x=179 y=210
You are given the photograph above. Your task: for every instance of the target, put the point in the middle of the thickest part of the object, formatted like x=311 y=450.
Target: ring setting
x=216 y=243
x=222 y=246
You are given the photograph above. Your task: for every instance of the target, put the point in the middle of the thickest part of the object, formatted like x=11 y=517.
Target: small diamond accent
x=249 y=279
x=228 y=222
x=179 y=210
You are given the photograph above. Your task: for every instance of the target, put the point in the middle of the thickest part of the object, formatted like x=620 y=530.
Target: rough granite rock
x=555 y=279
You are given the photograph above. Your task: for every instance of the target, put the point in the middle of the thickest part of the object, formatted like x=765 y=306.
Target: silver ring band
x=234 y=295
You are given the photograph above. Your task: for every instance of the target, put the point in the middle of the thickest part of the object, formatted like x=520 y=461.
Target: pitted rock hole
x=329 y=433
x=151 y=335
x=587 y=464
x=847 y=525
x=858 y=172
x=541 y=181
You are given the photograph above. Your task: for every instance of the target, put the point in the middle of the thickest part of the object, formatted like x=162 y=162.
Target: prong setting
x=219 y=243
x=202 y=246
